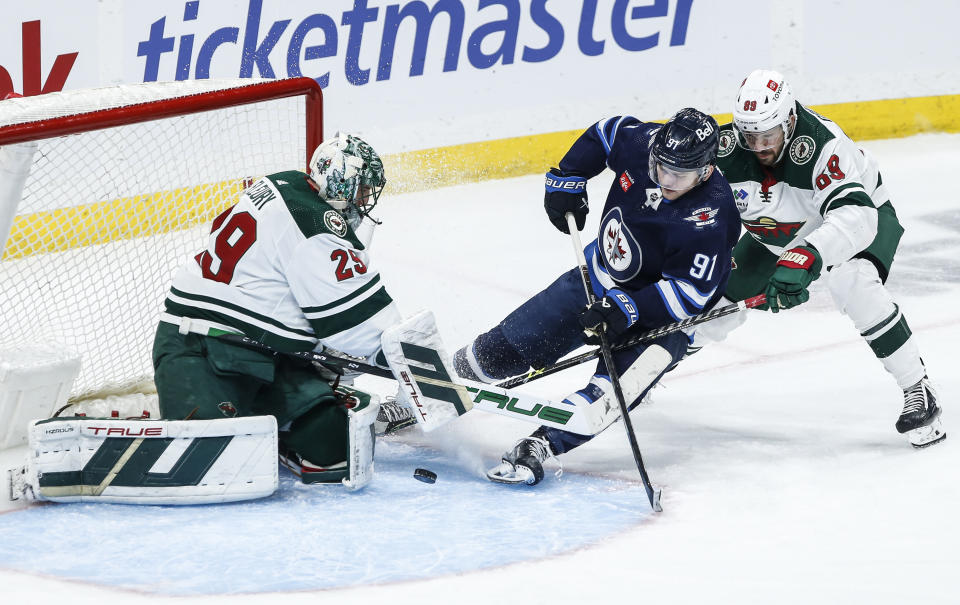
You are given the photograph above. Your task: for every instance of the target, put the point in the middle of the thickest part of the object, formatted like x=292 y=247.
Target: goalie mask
x=349 y=175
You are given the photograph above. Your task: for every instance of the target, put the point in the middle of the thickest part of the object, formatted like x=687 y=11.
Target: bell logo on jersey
x=626 y=181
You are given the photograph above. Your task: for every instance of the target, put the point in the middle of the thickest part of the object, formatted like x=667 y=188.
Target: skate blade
x=926 y=436
x=504 y=473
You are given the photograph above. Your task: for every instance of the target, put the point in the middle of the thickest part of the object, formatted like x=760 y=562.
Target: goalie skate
x=920 y=418
x=524 y=463
x=392 y=417
x=20 y=487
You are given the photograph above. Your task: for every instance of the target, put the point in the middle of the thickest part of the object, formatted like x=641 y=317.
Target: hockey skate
x=920 y=418
x=524 y=463
x=310 y=472
x=393 y=417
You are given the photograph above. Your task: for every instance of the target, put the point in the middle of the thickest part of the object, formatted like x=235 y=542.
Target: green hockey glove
x=795 y=270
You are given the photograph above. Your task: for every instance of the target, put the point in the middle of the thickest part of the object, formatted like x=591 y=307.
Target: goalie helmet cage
x=118 y=193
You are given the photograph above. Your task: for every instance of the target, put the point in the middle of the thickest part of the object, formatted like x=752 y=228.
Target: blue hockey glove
x=565 y=194
x=795 y=270
x=616 y=311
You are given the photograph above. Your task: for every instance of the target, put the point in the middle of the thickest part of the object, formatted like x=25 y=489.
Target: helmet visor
x=761 y=141
x=672 y=177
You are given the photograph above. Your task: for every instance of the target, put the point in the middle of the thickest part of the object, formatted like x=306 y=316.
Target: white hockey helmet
x=764 y=102
x=349 y=175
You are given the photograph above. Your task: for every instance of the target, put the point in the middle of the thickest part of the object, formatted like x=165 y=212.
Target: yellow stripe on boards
x=504 y=158
x=152 y=214
x=126 y=218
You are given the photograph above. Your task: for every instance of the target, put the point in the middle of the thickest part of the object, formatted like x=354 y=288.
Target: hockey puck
x=422 y=474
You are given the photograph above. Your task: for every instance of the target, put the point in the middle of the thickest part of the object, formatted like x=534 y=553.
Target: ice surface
x=784 y=479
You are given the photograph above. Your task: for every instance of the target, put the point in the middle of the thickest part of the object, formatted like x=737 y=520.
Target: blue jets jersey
x=672 y=257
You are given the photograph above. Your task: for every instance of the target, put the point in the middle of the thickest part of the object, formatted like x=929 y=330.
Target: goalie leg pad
x=428 y=384
x=151 y=461
x=327 y=424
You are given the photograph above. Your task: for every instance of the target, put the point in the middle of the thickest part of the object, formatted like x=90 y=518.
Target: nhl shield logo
x=335 y=223
x=728 y=143
x=802 y=150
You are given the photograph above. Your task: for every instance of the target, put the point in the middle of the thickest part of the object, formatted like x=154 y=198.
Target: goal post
x=119 y=186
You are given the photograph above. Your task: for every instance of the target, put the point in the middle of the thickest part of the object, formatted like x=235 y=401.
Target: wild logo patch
x=769 y=231
x=335 y=223
x=728 y=142
x=802 y=149
x=227 y=409
x=703 y=217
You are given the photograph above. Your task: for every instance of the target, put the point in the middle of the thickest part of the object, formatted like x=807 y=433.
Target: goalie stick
x=563 y=364
x=582 y=420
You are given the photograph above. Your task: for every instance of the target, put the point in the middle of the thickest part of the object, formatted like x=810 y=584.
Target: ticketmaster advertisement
x=433 y=73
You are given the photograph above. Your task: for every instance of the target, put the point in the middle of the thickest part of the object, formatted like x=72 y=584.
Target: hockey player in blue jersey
x=662 y=254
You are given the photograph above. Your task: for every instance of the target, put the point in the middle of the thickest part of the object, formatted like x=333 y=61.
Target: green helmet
x=349 y=174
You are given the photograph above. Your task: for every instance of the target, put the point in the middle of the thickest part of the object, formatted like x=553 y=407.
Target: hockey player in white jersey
x=813 y=203
x=286 y=266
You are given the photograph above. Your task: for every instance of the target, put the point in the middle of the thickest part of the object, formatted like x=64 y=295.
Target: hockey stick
x=653 y=494
x=563 y=364
x=336 y=364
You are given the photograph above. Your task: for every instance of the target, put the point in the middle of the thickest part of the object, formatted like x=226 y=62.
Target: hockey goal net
x=117 y=194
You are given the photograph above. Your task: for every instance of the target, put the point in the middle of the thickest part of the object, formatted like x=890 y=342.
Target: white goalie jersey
x=285 y=268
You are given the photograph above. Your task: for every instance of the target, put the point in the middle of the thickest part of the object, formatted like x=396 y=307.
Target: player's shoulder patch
x=335 y=222
x=728 y=142
x=802 y=149
x=701 y=218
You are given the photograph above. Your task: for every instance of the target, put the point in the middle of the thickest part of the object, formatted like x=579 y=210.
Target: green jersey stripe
x=344 y=299
x=216 y=304
x=851 y=194
x=352 y=317
x=282 y=342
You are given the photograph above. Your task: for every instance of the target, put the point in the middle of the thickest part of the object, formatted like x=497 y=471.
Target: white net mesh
x=108 y=216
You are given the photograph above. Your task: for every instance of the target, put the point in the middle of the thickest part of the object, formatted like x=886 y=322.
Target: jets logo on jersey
x=626 y=181
x=802 y=149
x=703 y=217
x=768 y=231
x=654 y=197
x=335 y=222
x=618 y=252
x=621 y=252
x=728 y=142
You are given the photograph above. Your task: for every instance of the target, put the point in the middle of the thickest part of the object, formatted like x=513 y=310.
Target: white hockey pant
x=860 y=295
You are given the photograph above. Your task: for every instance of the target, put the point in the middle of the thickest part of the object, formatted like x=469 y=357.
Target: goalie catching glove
x=795 y=270
x=616 y=311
